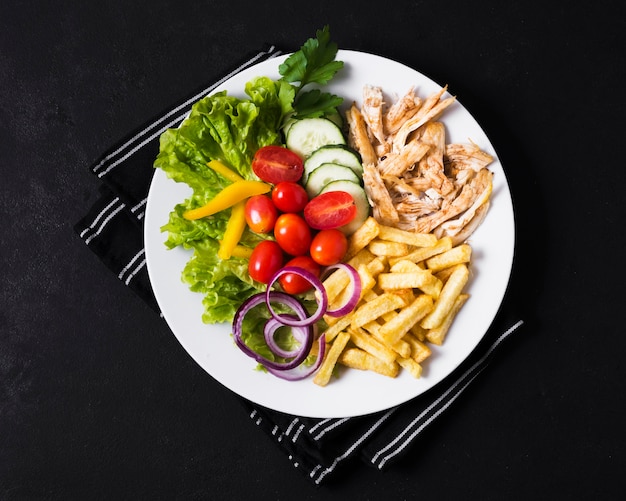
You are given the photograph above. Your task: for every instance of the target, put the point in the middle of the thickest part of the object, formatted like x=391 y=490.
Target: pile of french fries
x=412 y=289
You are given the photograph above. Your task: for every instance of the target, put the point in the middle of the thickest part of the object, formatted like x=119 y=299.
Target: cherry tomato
x=260 y=213
x=274 y=164
x=329 y=247
x=330 y=210
x=289 y=196
x=295 y=284
x=293 y=234
x=266 y=259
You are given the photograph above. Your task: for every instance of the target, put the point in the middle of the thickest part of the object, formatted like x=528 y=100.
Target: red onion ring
x=321 y=298
x=355 y=283
x=306 y=333
x=270 y=328
x=302 y=324
x=300 y=372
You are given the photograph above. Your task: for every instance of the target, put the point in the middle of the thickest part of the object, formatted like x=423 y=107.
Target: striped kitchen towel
x=113 y=229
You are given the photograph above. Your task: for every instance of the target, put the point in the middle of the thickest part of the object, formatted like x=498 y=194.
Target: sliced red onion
x=321 y=297
x=301 y=372
x=355 y=284
x=302 y=324
x=306 y=334
x=299 y=333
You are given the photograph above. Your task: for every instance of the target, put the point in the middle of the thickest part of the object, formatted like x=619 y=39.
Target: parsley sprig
x=314 y=64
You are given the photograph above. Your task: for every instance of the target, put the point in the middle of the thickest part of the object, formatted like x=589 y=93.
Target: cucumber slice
x=308 y=134
x=360 y=199
x=333 y=153
x=326 y=173
x=336 y=117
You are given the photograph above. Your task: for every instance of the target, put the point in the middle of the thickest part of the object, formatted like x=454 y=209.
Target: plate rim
x=159 y=176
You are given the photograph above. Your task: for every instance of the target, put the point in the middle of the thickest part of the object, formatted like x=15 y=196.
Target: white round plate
x=355 y=392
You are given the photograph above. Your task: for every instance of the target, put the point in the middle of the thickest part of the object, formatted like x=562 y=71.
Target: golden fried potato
x=437 y=334
x=456 y=255
x=445 y=302
x=360 y=359
x=324 y=373
x=367 y=232
x=373 y=309
x=398 y=326
x=411 y=238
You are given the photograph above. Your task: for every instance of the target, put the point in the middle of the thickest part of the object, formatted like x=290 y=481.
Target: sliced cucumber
x=287 y=125
x=332 y=153
x=360 y=199
x=308 y=134
x=336 y=117
x=326 y=173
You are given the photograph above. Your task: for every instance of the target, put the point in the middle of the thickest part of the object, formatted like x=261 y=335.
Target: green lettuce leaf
x=228 y=129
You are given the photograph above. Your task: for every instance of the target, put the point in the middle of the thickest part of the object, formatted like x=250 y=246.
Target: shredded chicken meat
x=413 y=178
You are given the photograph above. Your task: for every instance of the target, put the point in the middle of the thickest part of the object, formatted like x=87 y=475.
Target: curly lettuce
x=229 y=129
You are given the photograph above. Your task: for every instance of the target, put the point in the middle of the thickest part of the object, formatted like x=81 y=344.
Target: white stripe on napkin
x=406 y=436
x=131 y=143
x=116 y=205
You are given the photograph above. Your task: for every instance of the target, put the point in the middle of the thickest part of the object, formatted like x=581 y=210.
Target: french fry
x=419 y=350
x=417 y=279
x=437 y=335
x=368 y=281
x=414 y=368
x=378 y=306
x=360 y=359
x=419 y=332
x=423 y=279
x=456 y=255
x=369 y=295
x=444 y=274
x=407 y=237
x=423 y=253
x=367 y=232
x=445 y=302
x=407 y=294
x=377 y=265
x=398 y=326
x=336 y=325
x=401 y=347
x=361 y=339
x=387 y=248
x=324 y=373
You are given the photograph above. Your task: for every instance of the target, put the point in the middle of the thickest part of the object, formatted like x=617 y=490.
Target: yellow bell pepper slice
x=234 y=229
x=229 y=196
x=226 y=172
x=241 y=251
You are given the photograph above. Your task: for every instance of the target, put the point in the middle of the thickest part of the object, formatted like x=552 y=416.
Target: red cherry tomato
x=295 y=284
x=274 y=164
x=266 y=259
x=289 y=197
x=260 y=213
x=293 y=234
x=330 y=210
x=329 y=247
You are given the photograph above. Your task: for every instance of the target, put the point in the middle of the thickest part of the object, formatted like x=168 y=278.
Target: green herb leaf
x=316 y=103
x=314 y=63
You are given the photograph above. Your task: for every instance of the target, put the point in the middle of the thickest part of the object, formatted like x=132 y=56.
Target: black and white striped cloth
x=113 y=229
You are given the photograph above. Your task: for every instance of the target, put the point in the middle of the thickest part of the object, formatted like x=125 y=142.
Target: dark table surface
x=98 y=400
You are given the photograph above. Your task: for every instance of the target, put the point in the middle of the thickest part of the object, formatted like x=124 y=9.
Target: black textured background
x=97 y=398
